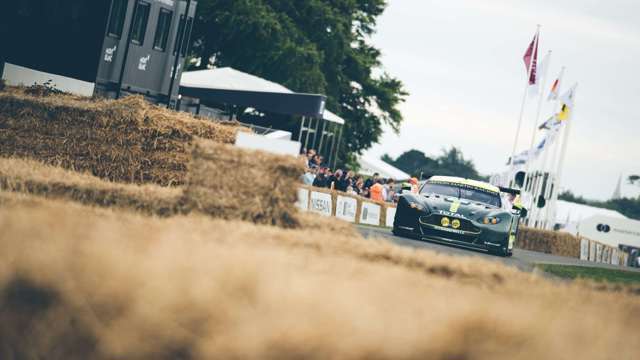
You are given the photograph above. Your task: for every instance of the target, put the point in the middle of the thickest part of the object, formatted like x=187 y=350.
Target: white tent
x=371 y=164
x=569 y=214
x=231 y=79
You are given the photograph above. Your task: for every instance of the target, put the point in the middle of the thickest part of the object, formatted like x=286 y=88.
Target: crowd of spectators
x=318 y=174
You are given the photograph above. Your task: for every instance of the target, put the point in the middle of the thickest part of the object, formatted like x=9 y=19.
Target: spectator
x=309 y=176
x=376 y=191
x=316 y=161
x=370 y=182
x=351 y=191
x=335 y=179
x=389 y=190
x=358 y=187
x=311 y=157
x=414 y=185
x=329 y=175
x=345 y=181
x=321 y=179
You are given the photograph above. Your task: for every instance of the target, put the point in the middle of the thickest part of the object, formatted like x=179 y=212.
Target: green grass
x=591 y=273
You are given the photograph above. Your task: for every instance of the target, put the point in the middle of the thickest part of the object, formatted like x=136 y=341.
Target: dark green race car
x=460 y=212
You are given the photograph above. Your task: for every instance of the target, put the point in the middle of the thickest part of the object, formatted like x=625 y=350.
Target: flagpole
x=563 y=152
x=524 y=100
x=546 y=61
x=550 y=209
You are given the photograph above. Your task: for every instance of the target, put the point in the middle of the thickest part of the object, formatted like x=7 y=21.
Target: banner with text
x=321 y=203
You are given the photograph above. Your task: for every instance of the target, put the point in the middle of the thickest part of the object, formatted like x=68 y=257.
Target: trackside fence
x=350 y=208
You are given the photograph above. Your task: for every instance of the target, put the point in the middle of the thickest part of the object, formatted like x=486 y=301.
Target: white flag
x=535 y=88
x=555 y=87
x=569 y=97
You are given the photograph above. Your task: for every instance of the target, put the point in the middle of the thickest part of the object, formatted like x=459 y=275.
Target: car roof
x=462 y=181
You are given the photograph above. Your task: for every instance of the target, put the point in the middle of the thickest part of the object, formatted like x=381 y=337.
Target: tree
x=314 y=46
x=450 y=162
x=567 y=195
x=626 y=206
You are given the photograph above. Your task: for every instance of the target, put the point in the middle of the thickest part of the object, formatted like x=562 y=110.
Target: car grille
x=465 y=224
x=431 y=226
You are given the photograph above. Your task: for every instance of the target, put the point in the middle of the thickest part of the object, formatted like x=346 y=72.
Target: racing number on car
x=454 y=207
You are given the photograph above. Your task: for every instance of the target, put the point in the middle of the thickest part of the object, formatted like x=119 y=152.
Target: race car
x=461 y=212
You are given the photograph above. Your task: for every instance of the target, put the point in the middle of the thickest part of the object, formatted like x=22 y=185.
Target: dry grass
x=23 y=176
x=126 y=140
x=31 y=177
x=550 y=242
x=232 y=183
x=103 y=284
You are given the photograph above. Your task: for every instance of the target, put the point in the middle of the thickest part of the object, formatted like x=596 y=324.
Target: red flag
x=531 y=60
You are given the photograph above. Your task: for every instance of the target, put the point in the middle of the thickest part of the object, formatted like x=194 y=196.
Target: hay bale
x=126 y=140
x=233 y=183
x=23 y=176
x=550 y=242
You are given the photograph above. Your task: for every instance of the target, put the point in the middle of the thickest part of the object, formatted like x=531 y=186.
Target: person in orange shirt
x=376 y=191
x=415 y=188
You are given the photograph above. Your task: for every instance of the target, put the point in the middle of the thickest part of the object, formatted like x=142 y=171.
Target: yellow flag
x=564 y=113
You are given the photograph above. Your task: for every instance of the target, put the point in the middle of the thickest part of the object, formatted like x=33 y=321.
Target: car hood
x=455 y=207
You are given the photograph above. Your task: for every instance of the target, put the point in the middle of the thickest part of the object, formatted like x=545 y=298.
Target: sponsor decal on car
x=450 y=214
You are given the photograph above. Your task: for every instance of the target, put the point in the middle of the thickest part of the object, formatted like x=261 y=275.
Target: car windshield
x=463 y=192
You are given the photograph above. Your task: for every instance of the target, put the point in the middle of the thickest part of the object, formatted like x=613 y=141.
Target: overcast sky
x=461 y=60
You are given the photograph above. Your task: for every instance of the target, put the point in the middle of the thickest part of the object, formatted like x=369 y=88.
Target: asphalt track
x=522 y=259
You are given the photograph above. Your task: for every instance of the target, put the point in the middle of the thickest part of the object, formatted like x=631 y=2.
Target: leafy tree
x=314 y=46
x=567 y=195
x=626 y=206
x=450 y=162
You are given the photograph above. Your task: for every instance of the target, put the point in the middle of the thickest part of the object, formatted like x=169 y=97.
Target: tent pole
x=331 y=134
x=301 y=129
x=315 y=134
x=308 y=129
x=324 y=123
x=338 y=142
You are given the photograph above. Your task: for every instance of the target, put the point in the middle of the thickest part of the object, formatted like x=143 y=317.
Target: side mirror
x=522 y=211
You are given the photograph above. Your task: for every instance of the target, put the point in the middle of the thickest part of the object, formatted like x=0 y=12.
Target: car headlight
x=490 y=220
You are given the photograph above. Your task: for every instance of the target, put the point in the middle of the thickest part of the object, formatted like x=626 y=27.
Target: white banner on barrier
x=592 y=251
x=584 y=249
x=346 y=208
x=370 y=214
x=391 y=214
x=599 y=253
x=615 y=257
x=303 y=199
x=321 y=203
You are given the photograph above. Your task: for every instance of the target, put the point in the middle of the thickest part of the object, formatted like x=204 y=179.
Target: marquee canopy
x=230 y=86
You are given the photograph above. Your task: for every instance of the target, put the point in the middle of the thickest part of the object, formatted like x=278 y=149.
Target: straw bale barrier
x=92 y=284
x=126 y=140
x=550 y=242
x=233 y=183
x=30 y=177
